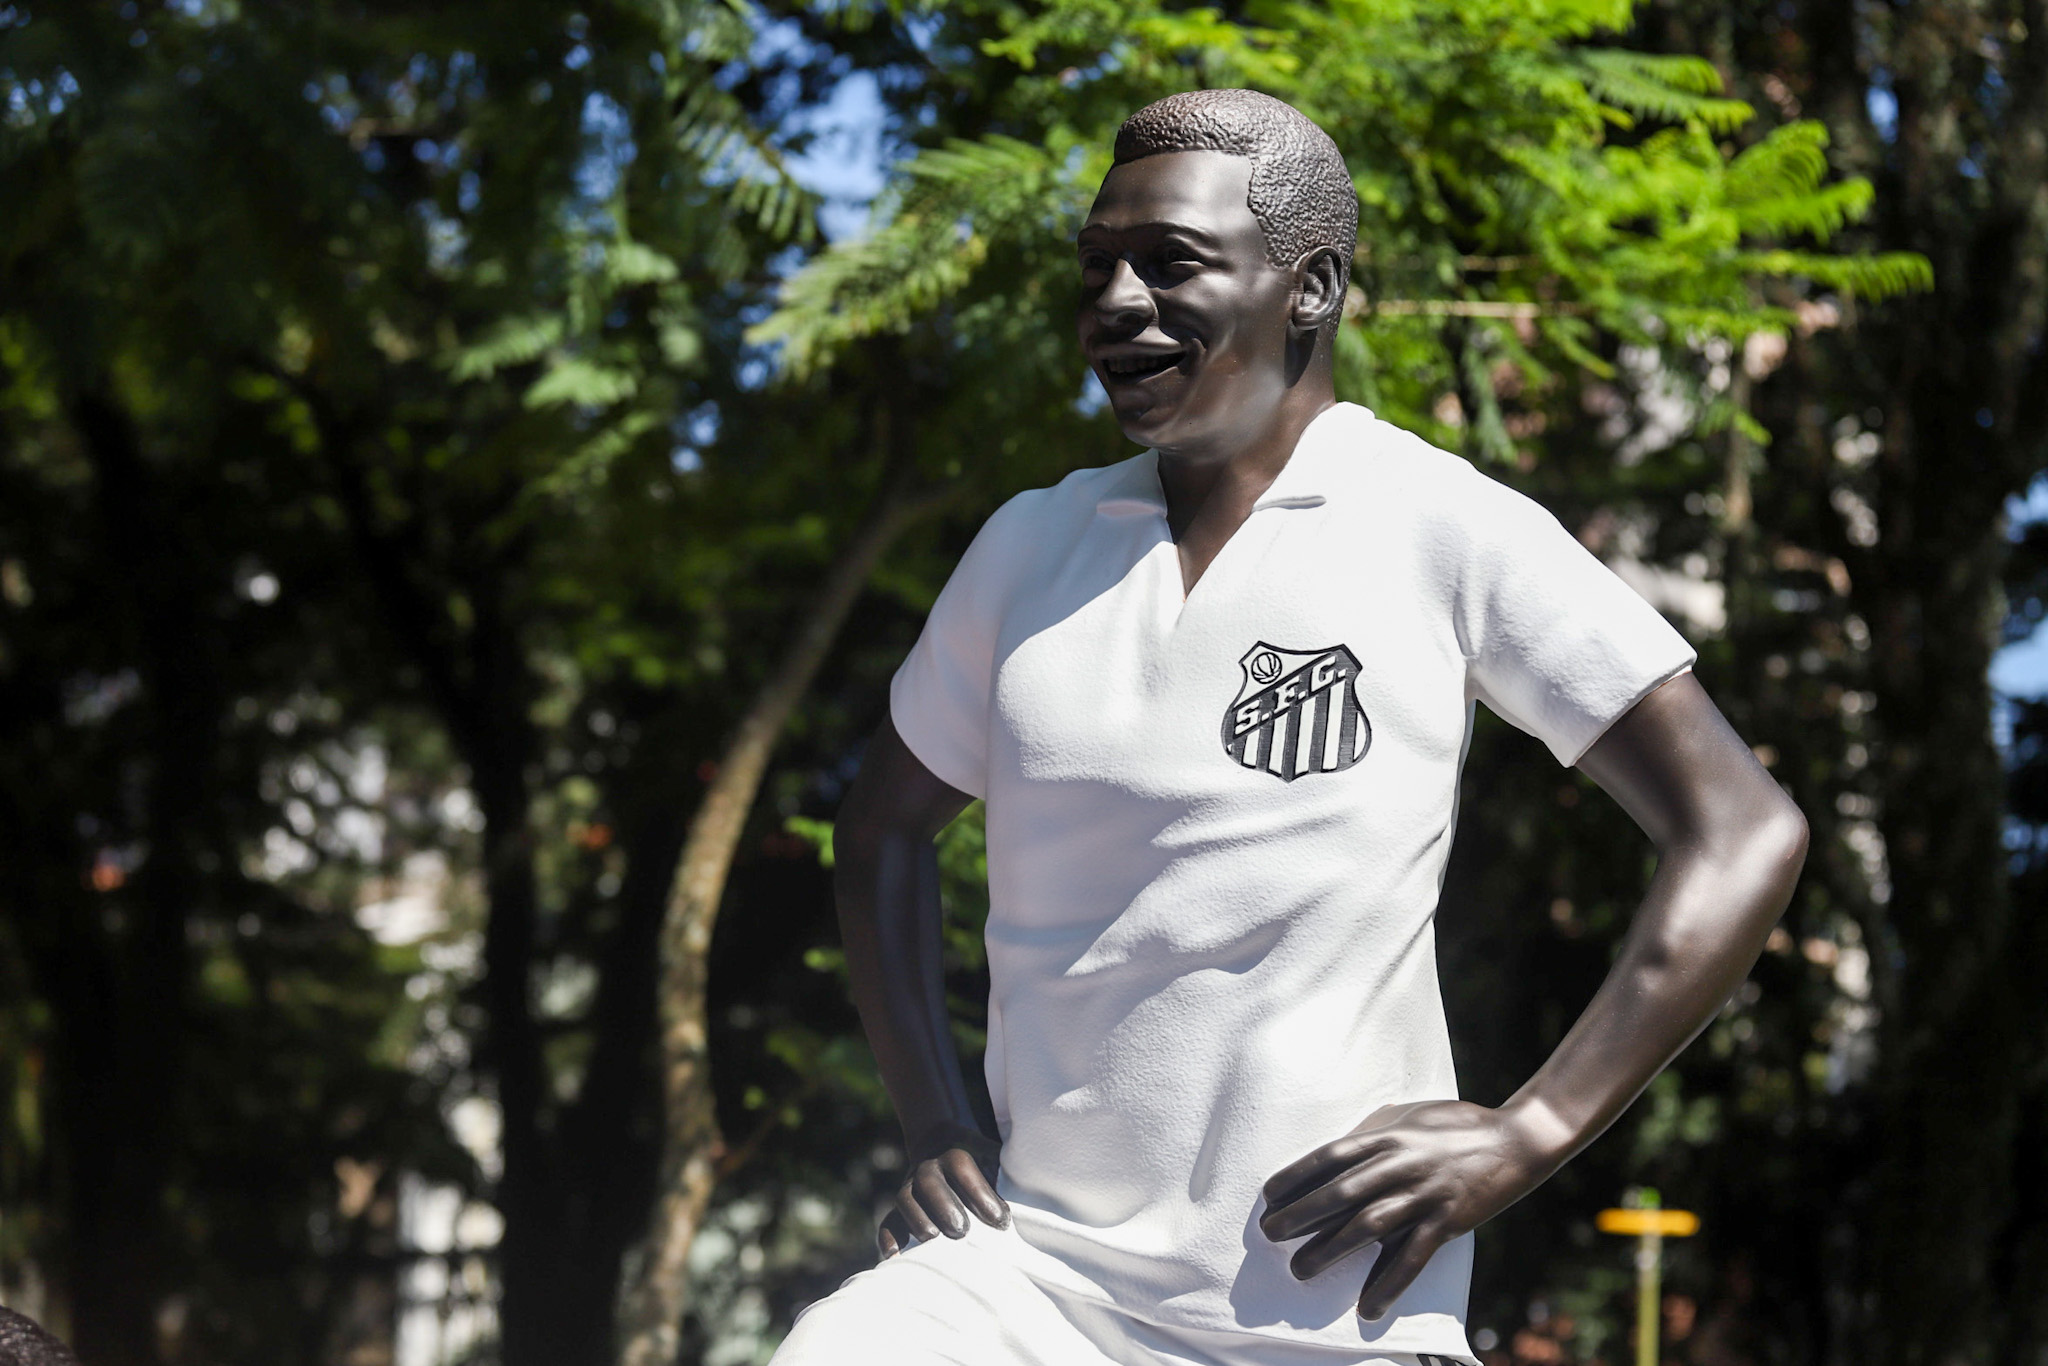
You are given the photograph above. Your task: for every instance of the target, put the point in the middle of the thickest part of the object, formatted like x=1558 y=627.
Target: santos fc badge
x=1297 y=712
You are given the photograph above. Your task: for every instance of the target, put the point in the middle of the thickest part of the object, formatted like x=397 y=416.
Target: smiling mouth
x=1142 y=366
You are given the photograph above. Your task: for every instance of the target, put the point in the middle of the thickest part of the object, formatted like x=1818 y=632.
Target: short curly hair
x=1301 y=191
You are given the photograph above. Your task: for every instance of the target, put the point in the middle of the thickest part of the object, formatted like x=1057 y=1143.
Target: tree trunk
x=1958 y=376
x=652 y=1305
x=480 y=686
x=608 y=1147
x=129 y=1006
x=526 y=1195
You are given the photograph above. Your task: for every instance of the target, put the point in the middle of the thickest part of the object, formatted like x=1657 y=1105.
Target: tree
x=1933 y=419
x=449 y=280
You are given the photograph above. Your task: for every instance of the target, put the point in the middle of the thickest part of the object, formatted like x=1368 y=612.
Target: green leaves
x=1668 y=88
x=1877 y=275
x=954 y=200
x=1778 y=185
x=732 y=154
x=510 y=341
x=581 y=382
x=628 y=263
x=1539 y=189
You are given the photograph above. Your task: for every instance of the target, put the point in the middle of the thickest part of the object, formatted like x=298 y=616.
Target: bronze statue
x=1216 y=697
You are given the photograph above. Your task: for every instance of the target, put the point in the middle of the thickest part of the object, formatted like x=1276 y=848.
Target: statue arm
x=886 y=881
x=1730 y=845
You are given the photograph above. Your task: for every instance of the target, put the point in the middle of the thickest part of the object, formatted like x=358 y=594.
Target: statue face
x=1182 y=318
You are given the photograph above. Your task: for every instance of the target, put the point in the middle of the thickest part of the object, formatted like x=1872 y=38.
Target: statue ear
x=1318 y=289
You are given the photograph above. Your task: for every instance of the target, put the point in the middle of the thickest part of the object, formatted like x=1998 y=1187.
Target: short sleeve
x=1555 y=642
x=940 y=697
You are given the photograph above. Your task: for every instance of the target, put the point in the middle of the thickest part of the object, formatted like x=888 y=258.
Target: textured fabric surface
x=1217 y=826
x=968 y=1303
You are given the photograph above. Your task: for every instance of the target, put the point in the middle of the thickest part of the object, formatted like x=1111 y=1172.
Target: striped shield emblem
x=1297 y=712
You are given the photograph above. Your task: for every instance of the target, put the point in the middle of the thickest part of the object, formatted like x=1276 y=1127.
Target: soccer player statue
x=1216 y=698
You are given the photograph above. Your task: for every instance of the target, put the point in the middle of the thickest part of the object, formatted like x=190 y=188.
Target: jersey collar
x=1303 y=481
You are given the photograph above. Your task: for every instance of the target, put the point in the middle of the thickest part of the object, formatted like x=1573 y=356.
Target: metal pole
x=1649 y=1259
x=1651 y=1226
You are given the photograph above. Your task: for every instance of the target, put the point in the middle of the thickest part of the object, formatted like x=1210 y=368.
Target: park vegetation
x=459 y=514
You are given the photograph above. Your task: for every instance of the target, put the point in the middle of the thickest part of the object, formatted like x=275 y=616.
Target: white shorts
x=959 y=1302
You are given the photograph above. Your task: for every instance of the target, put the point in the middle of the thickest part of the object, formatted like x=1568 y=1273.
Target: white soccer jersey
x=1217 y=826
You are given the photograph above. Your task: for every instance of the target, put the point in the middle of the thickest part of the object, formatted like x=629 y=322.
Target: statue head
x=1214 y=264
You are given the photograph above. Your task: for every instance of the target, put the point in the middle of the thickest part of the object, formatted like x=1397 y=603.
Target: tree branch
x=692 y=1148
x=1358 y=307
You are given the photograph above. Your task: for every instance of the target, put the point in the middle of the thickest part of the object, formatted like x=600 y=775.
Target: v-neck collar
x=1303 y=482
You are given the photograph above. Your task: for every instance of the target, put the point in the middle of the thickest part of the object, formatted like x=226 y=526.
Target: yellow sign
x=1671 y=1223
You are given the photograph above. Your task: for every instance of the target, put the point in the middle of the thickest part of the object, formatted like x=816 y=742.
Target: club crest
x=1297 y=713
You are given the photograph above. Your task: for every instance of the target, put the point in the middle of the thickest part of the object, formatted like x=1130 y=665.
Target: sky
x=847 y=164
x=2021 y=670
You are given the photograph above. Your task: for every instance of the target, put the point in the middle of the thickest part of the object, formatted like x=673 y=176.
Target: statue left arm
x=1729 y=845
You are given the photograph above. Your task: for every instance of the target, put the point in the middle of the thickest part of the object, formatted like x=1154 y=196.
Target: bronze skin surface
x=1220 y=358
x=1207 y=350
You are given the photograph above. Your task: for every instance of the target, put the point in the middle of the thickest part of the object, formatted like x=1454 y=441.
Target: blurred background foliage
x=456 y=497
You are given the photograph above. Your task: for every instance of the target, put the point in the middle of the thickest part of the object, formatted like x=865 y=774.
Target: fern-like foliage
x=1667 y=88
x=601 y=322
x=1490 y=131
x=952 y=202
x=729 y=151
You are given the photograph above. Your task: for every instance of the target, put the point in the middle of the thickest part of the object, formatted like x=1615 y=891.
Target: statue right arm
x=886 y=880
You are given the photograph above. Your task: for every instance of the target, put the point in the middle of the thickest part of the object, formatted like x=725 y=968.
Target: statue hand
x=952 y=1172
x=1410 y=1178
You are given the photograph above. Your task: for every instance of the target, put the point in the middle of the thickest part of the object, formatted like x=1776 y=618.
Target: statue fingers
x=1380 y=1222
x=973 y=1185
x=1337 y=1199
x=910 y=1208
x=1315 y=1169
x=933 y=1192
x=1401 y=1260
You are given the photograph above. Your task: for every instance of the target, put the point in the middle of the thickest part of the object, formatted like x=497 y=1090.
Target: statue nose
x=1124 y=301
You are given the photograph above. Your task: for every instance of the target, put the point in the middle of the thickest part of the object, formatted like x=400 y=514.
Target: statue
x=24 y=1342
x=1217 y=697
